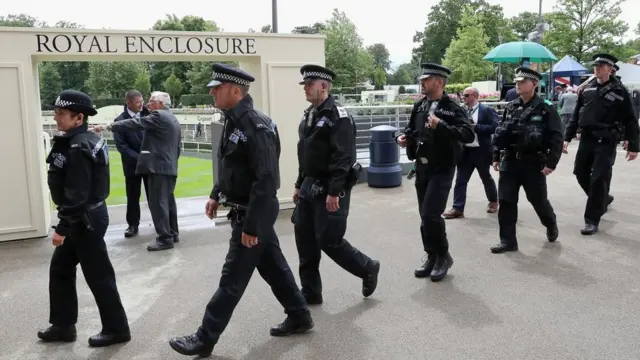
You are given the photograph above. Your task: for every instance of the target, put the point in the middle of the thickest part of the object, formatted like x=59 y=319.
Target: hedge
x=196 y=99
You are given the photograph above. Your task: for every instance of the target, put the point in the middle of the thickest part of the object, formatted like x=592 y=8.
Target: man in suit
x=158 y=160
x=476 y=156
x=128 y=144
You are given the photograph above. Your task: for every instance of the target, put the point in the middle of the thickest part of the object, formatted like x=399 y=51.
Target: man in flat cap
x=158 y=160
x=433 y=138
x=605 y=115
x=247 y=181
x=528 y=146
x=326 y=174
x=78 y=180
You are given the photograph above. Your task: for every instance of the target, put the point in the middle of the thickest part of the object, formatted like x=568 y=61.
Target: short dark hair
x=132 y=94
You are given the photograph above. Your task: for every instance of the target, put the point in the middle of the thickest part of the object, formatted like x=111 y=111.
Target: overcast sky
x=377 y=21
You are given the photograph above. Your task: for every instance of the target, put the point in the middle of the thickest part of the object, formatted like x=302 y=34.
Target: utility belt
x=315 y=187
x=83 y=218
x=609 y=135
x=237 y=212
x=533 y=156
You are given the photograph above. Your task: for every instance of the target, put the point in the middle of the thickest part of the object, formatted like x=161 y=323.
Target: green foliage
x=405 y=74
x=50 y=83
x=194 y=100
x=456 y=88
x=316 y=28
x=100 y=103
x=380 y=78
x=402 y=90
x=113 y=79
x=173 y=86
x=523 y=24
x=380 y=55
x=143 y=83
x=464 y=55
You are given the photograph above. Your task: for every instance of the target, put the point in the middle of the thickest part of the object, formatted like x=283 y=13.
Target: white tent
x=630 y=75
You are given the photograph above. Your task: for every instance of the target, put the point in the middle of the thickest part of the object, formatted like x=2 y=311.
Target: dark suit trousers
x=470 y=160
x=162 y=204
x=133 y=188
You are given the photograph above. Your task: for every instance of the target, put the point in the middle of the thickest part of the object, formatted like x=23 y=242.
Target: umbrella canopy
x=517 y=51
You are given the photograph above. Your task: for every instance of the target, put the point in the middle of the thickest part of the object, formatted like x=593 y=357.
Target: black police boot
x=58 y=334
x=176 y=240
x=191 y=345
x=370 y=282
x=552 y=233
x=589 y=229
x=293 y=324
x=105 y=339
x=441 y=267
x=131 y=231
x=426 y=268
x=312 y=299
x=503 y=248
x=159 y=245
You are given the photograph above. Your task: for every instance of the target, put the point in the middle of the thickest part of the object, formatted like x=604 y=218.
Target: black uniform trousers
x=238 y=268
x=473 y=158
x=89 y=250
x=528 y=174
x=433 y=184
x=133 y=189
x=162 y=205
x=593 y=168
x=318 y=230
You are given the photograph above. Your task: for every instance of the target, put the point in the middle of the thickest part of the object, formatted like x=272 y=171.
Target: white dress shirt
x=474 y=120
x=132 y=114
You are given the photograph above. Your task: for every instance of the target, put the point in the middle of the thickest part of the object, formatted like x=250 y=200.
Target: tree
x=143 y=83
x=402 y=90
x=581 y=28
x=113 y=79
x=50 y=83
x=173 y=86
x=266 y=29
x=380 y=55
x=523 y=24
x=380 y=78
x=462 y=56
x=344 y=53
x=405 y=74
x=316 y=28
x=20 y=20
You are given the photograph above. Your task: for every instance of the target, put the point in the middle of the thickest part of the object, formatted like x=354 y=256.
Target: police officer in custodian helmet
x=528 y=146
x=78 y=180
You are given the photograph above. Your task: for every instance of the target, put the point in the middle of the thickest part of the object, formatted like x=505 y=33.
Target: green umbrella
x=517 y=51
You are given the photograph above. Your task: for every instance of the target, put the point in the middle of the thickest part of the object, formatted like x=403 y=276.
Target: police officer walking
x=433 y=137
x=327 y=173
x=248 y=179
x=78 y=180
x=528 y=146
x=605 y=115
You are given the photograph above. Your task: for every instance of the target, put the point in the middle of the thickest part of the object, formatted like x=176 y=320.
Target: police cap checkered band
x=436 y=72
x=63 y=103
x=522 y=74
x=317 y=74
x=222 y=77
x=603 y=60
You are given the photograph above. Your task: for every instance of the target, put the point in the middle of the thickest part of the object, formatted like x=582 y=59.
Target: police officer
x=327 y=172
x=78 y=180
x=433 y=137
x=528 y=146
x=605 y=116
x=248 y=179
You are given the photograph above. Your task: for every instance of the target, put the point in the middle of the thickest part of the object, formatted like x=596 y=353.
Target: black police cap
x=606 y=59
x=75 y=101
x=314 y=72
x=523 y=73
x=223 y=73
x=430 y=69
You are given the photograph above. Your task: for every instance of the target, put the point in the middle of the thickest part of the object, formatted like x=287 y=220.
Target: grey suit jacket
x=568 y=103
x=160 y=148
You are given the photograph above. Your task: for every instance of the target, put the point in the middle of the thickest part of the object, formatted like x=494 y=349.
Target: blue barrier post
x=384 y=169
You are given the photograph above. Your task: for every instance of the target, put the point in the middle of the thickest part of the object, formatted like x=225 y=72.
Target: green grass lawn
x=195 y=178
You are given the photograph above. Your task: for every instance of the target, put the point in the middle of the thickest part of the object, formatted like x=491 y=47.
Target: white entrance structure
x=273 y=59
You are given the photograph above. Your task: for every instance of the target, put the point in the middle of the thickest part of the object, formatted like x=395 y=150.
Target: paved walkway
x=575 y=299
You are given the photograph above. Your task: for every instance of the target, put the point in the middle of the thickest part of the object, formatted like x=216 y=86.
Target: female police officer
x=79 y=183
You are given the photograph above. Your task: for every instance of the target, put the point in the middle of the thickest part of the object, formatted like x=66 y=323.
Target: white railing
x=47 y=142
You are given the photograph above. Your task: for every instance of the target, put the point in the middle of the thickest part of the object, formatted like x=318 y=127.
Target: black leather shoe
x=191 y=345
x=131 y=231
x=589 y=229
x=313 y=299
x=426 y=268
x=552 y=233
x=370 y=282
x=102 y=339
x=159 y=246
x=293 y=325
x=503 y=248
x=441 y=267
x=58 y=334
x=176 y=240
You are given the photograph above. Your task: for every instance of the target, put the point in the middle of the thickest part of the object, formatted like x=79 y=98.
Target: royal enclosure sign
x=133 y=44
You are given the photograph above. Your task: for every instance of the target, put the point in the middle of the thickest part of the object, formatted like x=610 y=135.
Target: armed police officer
x=327 y=172
x=78 y=180
x=247 y=181
x=605 y=115
x=528 y=146
x=433 y=137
